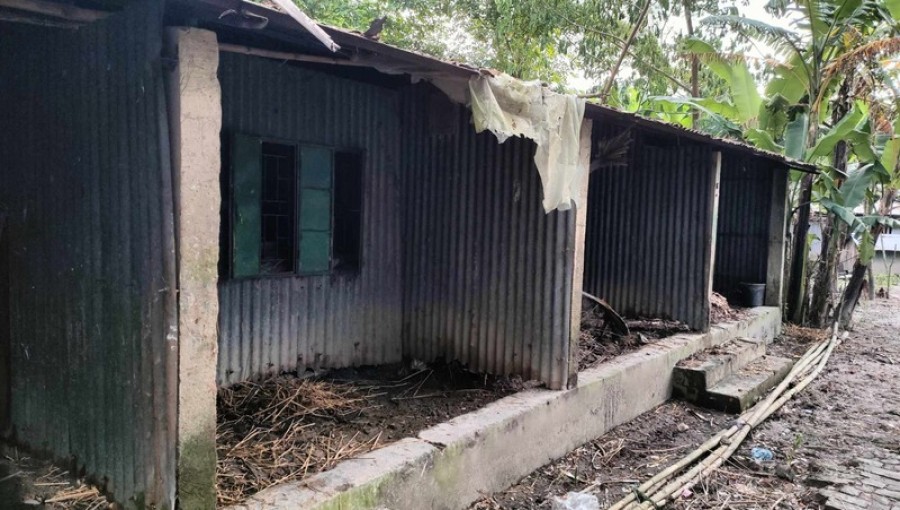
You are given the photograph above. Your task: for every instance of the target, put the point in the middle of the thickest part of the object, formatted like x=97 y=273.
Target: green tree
x=549 y=40
x=829 y=74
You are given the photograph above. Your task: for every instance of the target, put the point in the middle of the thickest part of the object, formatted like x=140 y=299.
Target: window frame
x=363 y=171
x=295 y=212
x=298 y=145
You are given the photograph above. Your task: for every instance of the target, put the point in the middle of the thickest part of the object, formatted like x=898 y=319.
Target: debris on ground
x=761 y=454
x=265 y=434
x=720 y=310
x=28 y=483
x=805 y=335
x=599 y=343
x=820 y=440
x=611 y=465
x=286 y=428
x=575 y=501
x=610 y=317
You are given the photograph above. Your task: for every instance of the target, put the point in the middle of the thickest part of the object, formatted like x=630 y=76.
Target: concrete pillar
x=712 y=228
x=196 y=120
x=584 y=159
x=777 y=219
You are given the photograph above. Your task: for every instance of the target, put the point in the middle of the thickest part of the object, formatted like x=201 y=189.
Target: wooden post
x=712 y=227
x=195 y=114
x=584 y=158
x=777 y=220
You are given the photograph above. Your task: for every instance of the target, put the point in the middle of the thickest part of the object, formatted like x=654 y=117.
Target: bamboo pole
x=286 y=55
x=55 y=10
x=714 y=462
x=714 y=452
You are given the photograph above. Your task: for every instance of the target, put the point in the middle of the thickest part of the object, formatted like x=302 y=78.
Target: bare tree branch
x=615 y=70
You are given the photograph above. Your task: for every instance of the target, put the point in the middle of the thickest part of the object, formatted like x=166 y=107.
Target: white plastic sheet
x=510 y=107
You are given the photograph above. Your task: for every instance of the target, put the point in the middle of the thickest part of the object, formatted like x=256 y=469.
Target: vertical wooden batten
x=578 y=252
x=195 y=112
x=777 y=219
x=710 y=263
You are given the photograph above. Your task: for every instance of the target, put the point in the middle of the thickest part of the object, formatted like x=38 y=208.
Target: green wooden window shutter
x=316 y=165
x=246 y=157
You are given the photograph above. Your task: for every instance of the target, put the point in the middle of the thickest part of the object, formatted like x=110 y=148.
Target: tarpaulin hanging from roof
x=510 y=107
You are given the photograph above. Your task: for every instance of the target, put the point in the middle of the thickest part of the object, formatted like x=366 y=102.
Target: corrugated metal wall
x=488 y=273
x=649 y=230
x=269 y=325
x=742 y=242
x=84 y=172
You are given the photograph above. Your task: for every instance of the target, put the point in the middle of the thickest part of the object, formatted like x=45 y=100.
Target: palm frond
x=779 y=38
x=733 y=58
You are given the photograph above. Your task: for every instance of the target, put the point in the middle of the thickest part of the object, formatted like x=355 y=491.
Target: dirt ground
x=597 y=343
x=851 y=412
x=286 y=428
x=28 y=482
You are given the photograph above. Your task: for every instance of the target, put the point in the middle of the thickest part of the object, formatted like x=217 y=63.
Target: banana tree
x=829 y=40
x=872 y=188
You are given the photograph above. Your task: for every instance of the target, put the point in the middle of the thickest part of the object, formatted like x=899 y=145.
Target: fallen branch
x=77 y=495
x=9 y=477
x=615 y=321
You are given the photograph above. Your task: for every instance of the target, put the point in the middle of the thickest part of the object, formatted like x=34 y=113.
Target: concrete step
x=737 y=393
x=695 y=375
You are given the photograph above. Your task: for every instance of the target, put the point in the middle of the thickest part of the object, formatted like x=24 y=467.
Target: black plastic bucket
x=754 y=293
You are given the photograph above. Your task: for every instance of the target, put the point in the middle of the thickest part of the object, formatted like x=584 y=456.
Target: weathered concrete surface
x=389 y=473
x=196 y=119
x=741 y=390
x=487 y=450
x=693 y=377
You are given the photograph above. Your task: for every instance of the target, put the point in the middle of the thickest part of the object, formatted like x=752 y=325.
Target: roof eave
x=596 y=111
x=421 y=64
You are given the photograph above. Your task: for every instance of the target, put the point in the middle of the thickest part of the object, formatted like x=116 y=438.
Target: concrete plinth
x=453 y=464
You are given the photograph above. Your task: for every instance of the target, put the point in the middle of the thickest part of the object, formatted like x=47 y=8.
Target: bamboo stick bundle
x=657 y=491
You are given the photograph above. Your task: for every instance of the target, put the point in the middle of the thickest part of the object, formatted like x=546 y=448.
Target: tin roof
x=287 y=34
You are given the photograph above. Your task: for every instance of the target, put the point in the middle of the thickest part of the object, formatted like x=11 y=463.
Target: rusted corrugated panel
x=488 y=272
x=742 y=243
x=269 y=325
x=84 y=172
x=649 y=231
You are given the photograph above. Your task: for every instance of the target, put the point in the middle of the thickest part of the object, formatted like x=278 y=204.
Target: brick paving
x=868 y=484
